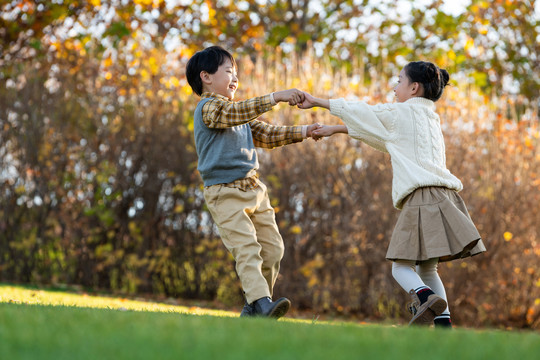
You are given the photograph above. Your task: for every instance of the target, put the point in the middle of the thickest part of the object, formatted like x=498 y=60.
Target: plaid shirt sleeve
x=220 y=112
x=271 y=136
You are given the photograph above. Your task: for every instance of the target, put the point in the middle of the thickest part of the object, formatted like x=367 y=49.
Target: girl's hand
x=311 y=129
x=323 y=131
x=329 y=130
x=308 y=102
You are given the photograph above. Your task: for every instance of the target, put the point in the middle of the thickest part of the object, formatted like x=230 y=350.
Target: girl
x=434 y=225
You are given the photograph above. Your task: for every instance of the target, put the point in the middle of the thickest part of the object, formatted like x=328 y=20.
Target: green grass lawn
x=38 y=324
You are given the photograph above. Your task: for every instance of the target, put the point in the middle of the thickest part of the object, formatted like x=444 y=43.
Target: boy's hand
x=311 y=129
x=292 y=96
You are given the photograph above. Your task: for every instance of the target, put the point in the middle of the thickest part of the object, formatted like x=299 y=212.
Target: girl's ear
x=416 y=88
x=205 y=77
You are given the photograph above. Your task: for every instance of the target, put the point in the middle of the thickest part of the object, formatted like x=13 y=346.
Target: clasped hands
x=304 y=100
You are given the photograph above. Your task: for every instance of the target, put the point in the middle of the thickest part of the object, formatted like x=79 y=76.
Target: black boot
x=268 y=308
x=248 y=310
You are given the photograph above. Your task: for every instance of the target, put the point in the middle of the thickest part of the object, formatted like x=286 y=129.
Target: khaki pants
x=247 y=225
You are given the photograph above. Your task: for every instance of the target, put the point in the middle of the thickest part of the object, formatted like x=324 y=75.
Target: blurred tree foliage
x=98 y=177
x=494 y=42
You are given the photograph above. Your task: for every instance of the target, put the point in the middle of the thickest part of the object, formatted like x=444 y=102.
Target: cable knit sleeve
x=373 y=124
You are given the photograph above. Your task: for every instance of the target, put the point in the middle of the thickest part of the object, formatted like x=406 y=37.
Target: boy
x=226 y=133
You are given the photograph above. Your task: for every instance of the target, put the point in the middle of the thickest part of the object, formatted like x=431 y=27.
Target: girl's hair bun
x=432 y=78
x=445 y=77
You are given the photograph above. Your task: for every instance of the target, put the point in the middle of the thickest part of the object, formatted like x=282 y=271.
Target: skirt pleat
x=434 y=223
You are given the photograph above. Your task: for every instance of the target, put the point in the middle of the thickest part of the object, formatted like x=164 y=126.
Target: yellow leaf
x=186 y=89
x=469 y=44
x=296 y=229
x=174 y=81
x=152 y=65
x=143 y=2
x=95 y=3
x=327 y=85
x=508 y=236
x=145 y=75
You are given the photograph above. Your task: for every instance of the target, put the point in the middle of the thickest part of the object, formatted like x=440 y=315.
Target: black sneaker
x=268 y=308
x=248 y=310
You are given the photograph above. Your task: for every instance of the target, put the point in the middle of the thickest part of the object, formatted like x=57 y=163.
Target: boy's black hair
x=207 y=60
x=432 y=78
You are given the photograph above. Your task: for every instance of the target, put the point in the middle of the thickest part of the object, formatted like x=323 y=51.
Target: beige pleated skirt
x=434 y=223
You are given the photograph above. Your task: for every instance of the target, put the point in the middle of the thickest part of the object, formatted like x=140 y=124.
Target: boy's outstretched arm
x=271 y=136
x=220 y=113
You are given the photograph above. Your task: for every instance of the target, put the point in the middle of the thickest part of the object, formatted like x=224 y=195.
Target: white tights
x=410 y=276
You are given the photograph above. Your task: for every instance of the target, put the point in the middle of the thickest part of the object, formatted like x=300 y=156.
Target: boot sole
x=434 y=307
x=280 y=309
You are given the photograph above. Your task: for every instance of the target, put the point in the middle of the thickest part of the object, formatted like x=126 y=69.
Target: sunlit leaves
x=499 y=36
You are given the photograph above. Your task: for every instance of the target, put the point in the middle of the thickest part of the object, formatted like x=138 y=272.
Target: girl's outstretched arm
x=329 y=130
x=311 y=101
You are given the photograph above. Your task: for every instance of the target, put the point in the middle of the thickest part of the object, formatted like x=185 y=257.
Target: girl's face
x=404 y=89
x=224 y=81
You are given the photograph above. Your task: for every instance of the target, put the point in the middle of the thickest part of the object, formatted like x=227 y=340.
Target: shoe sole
x=434 y=307
x=280 y=309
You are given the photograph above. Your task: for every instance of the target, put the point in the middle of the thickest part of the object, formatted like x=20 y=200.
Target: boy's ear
x=205 y=77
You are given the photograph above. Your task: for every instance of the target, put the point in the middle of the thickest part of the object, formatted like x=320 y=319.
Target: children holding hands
x=226 y=134
x=434 y=225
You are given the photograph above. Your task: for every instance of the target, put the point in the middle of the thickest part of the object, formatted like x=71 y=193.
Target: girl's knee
x=399 y=266
x=428 y=267
x=433 y=262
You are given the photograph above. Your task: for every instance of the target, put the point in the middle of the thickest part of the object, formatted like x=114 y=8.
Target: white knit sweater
x=410 y=132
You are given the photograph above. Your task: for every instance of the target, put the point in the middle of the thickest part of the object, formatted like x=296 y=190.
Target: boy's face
x=223 y=82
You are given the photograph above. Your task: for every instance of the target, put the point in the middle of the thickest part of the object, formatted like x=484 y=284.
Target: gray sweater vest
x=225 y=155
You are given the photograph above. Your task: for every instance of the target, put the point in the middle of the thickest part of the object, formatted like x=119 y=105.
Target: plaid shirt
x=220 y=113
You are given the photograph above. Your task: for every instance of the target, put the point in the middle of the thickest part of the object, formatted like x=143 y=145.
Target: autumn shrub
x=99 y=188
